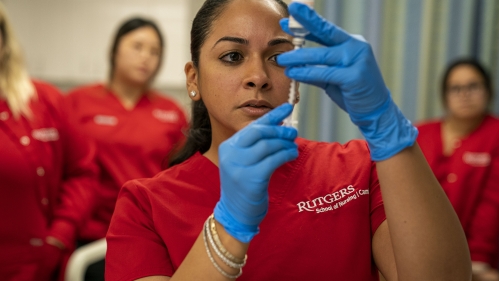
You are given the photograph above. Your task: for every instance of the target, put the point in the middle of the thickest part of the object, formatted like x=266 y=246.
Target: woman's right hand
x=247 y=161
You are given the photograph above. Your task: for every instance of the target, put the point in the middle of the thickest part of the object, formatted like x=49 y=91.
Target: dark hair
x=127 y=27
x=2 y=31
x=474 y=64
x=199 y=133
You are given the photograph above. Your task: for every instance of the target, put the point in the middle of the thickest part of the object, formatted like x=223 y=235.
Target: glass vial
x=296 y=28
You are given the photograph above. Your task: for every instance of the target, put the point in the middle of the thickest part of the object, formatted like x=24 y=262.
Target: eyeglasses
x=472 y=89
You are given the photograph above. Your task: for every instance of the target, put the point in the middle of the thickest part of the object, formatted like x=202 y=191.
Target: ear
x=191 y=80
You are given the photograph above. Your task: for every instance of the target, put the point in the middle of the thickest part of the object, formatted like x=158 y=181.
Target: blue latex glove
x=246 y=162
x=347 y=70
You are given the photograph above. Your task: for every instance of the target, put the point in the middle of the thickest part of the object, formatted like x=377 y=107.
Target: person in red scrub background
x=462 y=149
x=246 y=192
x=135 y=128
x=46 y=172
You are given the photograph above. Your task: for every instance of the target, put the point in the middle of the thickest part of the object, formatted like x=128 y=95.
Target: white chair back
x=84 y=257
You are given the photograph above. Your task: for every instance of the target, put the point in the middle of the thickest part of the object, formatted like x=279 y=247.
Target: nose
x=145 y=54
x=257 y=76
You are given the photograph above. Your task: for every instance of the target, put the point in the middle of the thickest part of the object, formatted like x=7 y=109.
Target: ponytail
x=198 y=136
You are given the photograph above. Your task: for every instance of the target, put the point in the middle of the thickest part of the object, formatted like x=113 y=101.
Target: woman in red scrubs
x=463 y=152
x=245 y=191
x=135 y=128
x=46 y=172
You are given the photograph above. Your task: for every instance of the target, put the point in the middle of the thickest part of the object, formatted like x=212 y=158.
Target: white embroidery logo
x=167 y=116
x=105 y=120
x=45 y=134
x=340 y=198
x=476 y=159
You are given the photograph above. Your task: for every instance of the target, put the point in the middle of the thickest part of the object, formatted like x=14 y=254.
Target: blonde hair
x=15 y=85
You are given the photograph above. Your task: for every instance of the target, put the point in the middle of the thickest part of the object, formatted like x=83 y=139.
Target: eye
x=137 y=46
x=454 y=89
x=474 y=87
x=155 y=52
x=232 y=57
x=274 y=58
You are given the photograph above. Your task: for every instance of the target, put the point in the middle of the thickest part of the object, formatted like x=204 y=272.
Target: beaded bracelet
x=216 y=238
x=218 y=252
x=210 y=256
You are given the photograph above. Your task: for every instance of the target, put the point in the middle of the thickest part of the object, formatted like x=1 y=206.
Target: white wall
x=66 y=42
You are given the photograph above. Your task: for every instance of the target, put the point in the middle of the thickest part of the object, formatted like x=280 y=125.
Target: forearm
x=197 y=265
x=64 y=231
x=246 y=161
x=427 y=237
x=73 y=207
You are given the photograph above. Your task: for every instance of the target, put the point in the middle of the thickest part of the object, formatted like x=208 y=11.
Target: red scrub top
x=130 y=143
x=46 y=175
x=324 y=209
x=470 y=178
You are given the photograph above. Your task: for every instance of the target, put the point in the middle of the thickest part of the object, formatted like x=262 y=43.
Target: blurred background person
x=46 y=171
x=135 y=128
x=462 y=149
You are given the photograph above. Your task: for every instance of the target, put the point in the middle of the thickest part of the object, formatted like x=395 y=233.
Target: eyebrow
x=237 y=40
x=243 y=41
x=279 y=41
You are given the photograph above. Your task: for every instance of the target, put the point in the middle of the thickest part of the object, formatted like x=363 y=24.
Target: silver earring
x=193 y=93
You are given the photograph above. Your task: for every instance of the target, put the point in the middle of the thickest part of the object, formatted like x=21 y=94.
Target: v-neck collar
x=461 y=139
x=280 y=180
x=144 y=98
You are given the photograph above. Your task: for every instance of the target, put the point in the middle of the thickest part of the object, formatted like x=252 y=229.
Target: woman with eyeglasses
x=462 y=149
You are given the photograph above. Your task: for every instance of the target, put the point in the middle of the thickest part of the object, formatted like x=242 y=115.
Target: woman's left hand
x=489 y=275
x=347 y=70
x=50 y=260
x=55 y=242
x=483 y=272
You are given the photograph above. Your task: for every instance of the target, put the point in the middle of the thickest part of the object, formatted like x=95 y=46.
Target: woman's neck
x=127 y=93
x=212 y=152
x=212 y=155
x=462 y=127
x=218 y=136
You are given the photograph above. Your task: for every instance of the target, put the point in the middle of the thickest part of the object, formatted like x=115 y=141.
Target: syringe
x=291 y=120
x=299 y=33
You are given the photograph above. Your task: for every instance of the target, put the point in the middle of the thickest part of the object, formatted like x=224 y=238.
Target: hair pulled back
x=199 y=133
